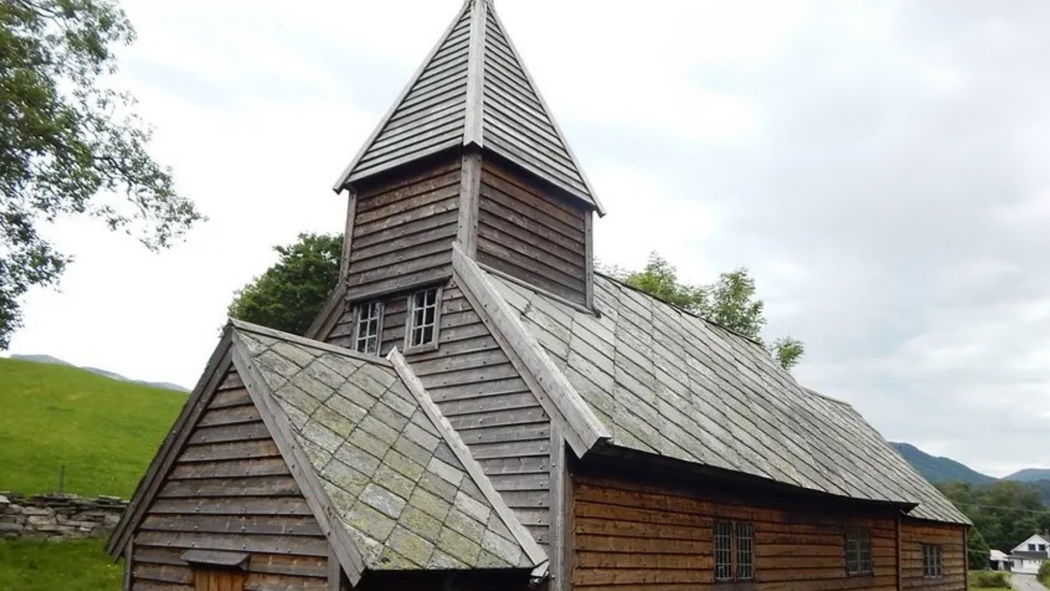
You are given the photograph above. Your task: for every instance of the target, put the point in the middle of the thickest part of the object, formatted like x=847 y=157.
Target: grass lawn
x=104 y=431
x=71 y=565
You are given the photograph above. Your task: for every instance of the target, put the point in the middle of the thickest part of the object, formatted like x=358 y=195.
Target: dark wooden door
x=218 y=580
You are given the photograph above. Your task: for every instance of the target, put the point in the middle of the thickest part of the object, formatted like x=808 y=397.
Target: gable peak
x=473 y=89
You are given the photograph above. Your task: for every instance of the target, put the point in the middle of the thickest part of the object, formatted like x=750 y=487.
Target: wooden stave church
x=476 y=407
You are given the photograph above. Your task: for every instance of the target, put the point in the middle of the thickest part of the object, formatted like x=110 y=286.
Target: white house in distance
x=1029 y=555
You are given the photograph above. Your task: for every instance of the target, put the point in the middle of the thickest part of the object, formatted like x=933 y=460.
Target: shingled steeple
x=473 y=90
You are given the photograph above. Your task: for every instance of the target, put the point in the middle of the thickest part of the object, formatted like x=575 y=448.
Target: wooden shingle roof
x=388 y=479
x=387 y=464
x=473 y=89
x=662 y=381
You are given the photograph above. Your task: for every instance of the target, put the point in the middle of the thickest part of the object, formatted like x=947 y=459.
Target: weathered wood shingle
x=383 y=461
x=666 y=382
x=473 y=89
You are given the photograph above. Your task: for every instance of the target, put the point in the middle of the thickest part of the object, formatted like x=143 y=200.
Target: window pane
x=423 y=317
x=858 y=551
x=745 y=551
x=366 y=337
x=723 y=551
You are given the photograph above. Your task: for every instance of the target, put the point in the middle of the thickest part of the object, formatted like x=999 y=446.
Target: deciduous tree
x=291 y=293
x=730 y=301
x=69 y=144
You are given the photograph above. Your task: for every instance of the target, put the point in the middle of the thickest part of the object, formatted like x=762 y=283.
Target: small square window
x=931 y=561
x=423 y=311
x=858 y=551
x=368 y=328
x=734 y=551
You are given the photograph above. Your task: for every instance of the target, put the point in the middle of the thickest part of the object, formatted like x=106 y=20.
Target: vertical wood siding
x=403 y=231
x=529 y=234
x=230 y=490
x=953 y=558
x=631 y=539
x=482 y=395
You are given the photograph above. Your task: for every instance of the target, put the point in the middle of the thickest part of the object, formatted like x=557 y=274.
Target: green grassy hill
x=104 y=431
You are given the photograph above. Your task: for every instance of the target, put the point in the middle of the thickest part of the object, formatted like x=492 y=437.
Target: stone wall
x=58 y=516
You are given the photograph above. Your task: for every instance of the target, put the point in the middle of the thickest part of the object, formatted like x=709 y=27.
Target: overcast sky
x=883 y=168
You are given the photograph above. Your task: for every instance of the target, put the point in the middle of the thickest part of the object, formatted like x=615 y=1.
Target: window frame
x=381 y=311
x=858 y=552
x=410 y=325
x=932 y=561
x=728 y=534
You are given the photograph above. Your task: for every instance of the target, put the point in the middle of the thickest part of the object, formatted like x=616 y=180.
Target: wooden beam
x=462 y=452
x=341 y=544
x=335 y=572
x=469 y=195
x=588 y=264
x=473 y=132
x=561 y=545
x=128 y=570
x=580 y=427
x=348 y=235
x=900 y=554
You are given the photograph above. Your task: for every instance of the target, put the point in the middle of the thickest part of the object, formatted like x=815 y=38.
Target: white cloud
x=881 y=173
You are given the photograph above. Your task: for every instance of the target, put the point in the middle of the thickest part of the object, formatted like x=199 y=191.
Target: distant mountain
x=42 y=359
x=102 y=372
x=938 y=469
x=1030 y=475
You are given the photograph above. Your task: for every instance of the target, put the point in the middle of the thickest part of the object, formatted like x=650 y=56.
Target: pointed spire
x=473 y=89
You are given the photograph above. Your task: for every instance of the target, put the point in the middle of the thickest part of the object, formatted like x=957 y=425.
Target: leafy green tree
x=1005 y=513
x=977 y=549
x=291 y=293
x=730 y=301
x=69 y=145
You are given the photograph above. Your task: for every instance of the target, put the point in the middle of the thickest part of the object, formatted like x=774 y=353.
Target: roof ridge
x=549 y=385
x=306 y=342
x=532 y=549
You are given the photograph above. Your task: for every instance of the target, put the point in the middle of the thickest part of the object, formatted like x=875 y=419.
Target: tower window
x=423 y=310
x=368 y=328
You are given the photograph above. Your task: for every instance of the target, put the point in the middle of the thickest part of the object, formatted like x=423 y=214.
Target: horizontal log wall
x=403 y=230
x=230 y=490
x=527 y=232
x=627 y=538
x=483 y=396
x=953 y=555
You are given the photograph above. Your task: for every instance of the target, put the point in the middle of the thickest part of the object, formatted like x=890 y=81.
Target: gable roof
x=383 y=473
x=473 y=89
x=666 y=382
x=1034 y=539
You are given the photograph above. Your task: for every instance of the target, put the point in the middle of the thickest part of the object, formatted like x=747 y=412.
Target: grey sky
x=882 y=167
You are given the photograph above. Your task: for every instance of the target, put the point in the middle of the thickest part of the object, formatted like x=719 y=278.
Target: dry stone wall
x=58 y=516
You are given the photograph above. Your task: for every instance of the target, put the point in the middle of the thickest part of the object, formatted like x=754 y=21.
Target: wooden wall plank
x=494 y=412
x=229 y=489
x=403 y=230
x=529 y=233
x=630 y=537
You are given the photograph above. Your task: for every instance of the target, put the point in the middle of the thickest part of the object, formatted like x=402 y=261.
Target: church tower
x=469 y=153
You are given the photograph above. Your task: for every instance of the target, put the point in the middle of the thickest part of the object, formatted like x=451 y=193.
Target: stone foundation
x=58 y=516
